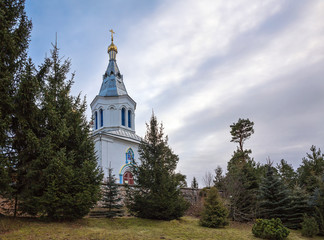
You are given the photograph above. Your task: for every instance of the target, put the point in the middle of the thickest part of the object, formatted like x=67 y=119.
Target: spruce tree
x=157 y=194
x=63 y=179
x=111 y=199
x=194 y=183
x=26 y=128
x=15 y=30
x=214 y=213
x=274 y=201
x=298 y=207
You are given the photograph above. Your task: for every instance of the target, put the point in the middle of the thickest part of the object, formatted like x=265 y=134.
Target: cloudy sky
x=201 y=65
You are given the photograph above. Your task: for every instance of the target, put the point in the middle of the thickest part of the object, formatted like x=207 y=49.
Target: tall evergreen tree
x=287 y=174
x=273 y=197
x=15 y=30
x=241 y=131
x=63 y=179
x=317 y=204
x=157 y=195
x=194 y=183
x=298 y=208
x=26 y=127
x=111 y=199
x=242 y=174
x=311 y=170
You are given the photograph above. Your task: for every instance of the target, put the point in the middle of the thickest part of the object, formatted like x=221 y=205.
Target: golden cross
x=112 y=32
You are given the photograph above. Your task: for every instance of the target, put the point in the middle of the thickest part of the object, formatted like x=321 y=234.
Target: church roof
x=112 y=84
x=122 y=134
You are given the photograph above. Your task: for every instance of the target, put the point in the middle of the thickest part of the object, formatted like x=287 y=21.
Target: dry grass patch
x=125 y=228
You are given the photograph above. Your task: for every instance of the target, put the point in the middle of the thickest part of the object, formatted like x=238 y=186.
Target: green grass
x=124 y=228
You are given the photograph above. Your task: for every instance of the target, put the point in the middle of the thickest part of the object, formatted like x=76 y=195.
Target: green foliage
x=273 y=197
x=309 y=226
x=270 y=229
x=241 y=131
x=242 y=182
x=194 y=183
x=111 y=200
x=157 y=195
x=317 y=203
x=57 y=168
x=311 y=170
x=182 y=179
x=15 y=31
x=219 y=178
x=214 y=213
x=287 y=174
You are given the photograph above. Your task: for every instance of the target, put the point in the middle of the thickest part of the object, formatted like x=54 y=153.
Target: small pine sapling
x=111 y=198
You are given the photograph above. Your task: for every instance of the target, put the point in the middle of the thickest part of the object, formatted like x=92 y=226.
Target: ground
x=124 y=228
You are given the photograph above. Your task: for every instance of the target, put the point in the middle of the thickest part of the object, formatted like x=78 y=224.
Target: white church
x=113 y=111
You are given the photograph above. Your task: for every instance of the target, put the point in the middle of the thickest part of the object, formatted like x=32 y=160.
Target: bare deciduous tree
x=208 y=179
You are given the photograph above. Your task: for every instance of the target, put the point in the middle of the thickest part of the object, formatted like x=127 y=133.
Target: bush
x=309 y=227
x=214 y=213
x=270 y=229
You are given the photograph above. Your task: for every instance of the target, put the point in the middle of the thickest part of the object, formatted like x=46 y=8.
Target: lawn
x=124 y=228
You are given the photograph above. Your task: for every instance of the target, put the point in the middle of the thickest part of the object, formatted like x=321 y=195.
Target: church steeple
x=112 y=84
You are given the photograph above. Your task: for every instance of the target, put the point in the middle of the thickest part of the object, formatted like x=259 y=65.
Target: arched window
x=129 y=118
x=96 y=120
x=129 y=156
x=123 y=117
x=101 y=117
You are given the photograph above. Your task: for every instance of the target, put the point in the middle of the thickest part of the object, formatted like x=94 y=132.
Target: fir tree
x=26 y=128
x=274 y=201
x=194 y=183
x=15 y=30
x=63 y=179
x=214 y=213
x=111 y=199
x=157 y=195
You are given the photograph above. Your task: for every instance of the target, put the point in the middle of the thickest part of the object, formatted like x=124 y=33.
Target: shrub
x=309 y=226
x=214 y=213
x=270 y=229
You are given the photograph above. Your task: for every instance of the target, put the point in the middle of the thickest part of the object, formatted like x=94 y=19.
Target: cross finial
x=112 y=36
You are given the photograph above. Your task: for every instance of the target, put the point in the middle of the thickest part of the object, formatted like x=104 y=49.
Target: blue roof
x=112 y=84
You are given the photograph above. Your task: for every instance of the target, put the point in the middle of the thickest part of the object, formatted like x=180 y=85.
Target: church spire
x=112 y=84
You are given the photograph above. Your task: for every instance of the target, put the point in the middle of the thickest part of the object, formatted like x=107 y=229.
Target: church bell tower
x=113 y=112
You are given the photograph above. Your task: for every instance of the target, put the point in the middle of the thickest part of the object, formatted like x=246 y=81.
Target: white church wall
x=114 y=150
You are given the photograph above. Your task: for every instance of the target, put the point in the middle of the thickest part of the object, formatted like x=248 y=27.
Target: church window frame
x=101 y=117
x=130 y=157
x=123 y=113
x=96 y=120
x=129 y=118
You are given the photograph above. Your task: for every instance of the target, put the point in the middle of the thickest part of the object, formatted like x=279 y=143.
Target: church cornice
x=113 y=97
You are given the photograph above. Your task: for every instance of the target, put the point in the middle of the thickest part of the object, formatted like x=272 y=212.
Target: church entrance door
x=128 y=178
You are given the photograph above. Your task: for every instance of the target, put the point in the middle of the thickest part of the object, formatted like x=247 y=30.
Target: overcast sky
x=201 y=65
